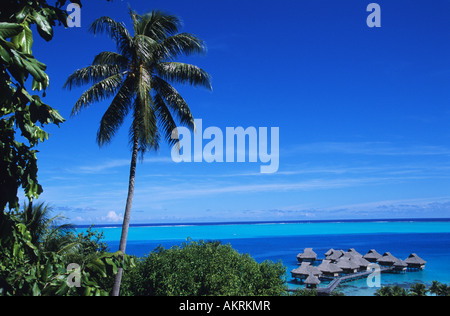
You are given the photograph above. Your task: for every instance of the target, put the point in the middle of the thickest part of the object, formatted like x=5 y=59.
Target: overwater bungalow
x=400 y=265
x=335 y=255
x=363 y=263
x=372 y=256
x=347 y=265
x=415 y=262
x=329 y=269
x=308 y=255
x=329 y=252
x=312 y=282
x=387 y=260
x=305 y=270
x=344 y=266
x=354 y=253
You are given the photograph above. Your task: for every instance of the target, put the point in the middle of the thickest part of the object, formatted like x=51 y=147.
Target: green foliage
x=28 y=269
x=417 y=289
x=439 y=289
x=18 y=109
x=202 y=269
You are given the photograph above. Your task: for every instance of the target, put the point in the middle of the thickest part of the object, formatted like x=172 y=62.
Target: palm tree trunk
x=127 y=216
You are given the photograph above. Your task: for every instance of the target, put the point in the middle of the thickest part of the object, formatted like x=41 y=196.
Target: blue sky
x=363 y=115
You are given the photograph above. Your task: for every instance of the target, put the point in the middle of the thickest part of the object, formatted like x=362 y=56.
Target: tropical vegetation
x=204 y=269
x=418 y=289
x=36 y=254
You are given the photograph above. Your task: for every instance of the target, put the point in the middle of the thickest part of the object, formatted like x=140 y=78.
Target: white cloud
x=101 y=167
x=113 y=217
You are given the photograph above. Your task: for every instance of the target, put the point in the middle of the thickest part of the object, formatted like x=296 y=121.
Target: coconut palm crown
x=136 y=78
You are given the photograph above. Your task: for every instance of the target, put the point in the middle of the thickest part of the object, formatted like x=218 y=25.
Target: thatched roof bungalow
x=307 y=256
x=361 y=262
x=387 y=260
x=400 y=265
x=372 y=256
x=312 y=281
x=347 y=265
x=354 y=253
x=415 y=262
x=305 y=270
x=329 y=269
x=335 y=255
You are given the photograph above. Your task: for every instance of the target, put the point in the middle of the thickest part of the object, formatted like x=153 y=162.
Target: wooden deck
x=347 y=278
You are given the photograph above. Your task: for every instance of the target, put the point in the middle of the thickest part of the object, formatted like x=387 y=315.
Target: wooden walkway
x=347 y=278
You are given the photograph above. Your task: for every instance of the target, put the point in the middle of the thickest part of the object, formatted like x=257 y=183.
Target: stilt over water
x=345 y=266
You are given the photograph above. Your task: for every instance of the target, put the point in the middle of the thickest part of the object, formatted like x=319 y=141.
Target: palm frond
x=116 y=31
x=116 y=112
x=98 y=92
x=184 y=73
x=180 y=44
x=111 y=58
x=144 y=128
x=145 y=117
x=156 y=24
x=144 y=47
x=165 y=120
x=91 y=74
x=175 y=102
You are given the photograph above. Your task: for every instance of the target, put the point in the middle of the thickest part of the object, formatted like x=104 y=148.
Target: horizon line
x=110 y=225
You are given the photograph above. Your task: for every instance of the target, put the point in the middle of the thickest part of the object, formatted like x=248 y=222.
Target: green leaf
x=5 y=54
x=8 y=30
x=45 y=30
x=36 y=290
x=112 y=264
x=63 y=289
x=87 y=291
x=34 y=69
x=24 y=40
x=16 y=250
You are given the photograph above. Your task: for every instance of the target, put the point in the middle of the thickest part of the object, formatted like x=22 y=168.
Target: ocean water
x=430 y=239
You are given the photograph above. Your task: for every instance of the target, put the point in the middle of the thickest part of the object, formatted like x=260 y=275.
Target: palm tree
x=384 y=291
x=418 y=289
x=45 y=230
x=435 y=288
x=439 y=289
x=137 y=78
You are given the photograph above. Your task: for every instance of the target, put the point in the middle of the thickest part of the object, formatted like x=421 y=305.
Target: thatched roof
x=372 y=255
x=355 y=253
x=306 y=269
x=400 y=264
x=329 y=252
x=363 y=263
x=335 y=255
x=327 y=267
x=387 y=258
x=312 y=280
x=308 y=253
x=415 y=259
x=347 y=264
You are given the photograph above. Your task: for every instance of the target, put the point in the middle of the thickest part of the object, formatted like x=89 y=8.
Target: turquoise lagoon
x=430 y=239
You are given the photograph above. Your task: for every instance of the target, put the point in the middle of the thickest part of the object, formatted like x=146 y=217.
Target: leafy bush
x=201 y=269
x=27 y=268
